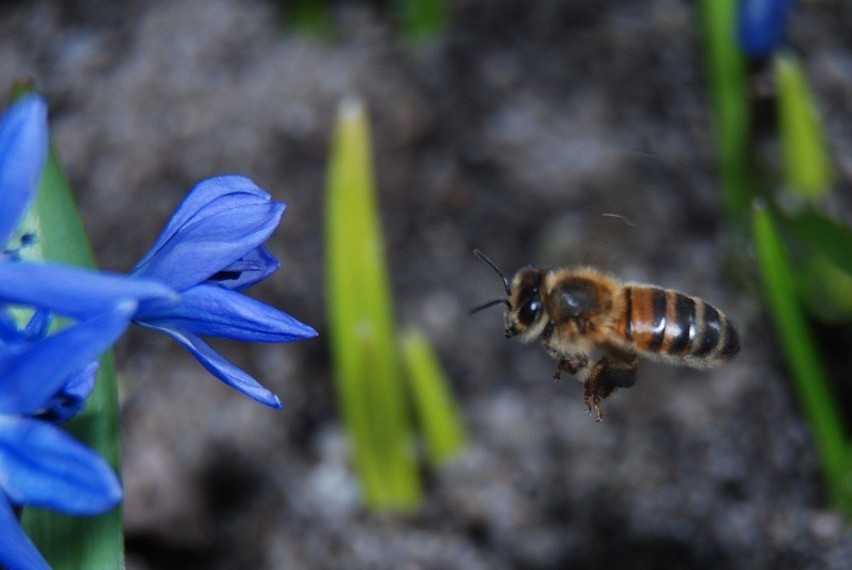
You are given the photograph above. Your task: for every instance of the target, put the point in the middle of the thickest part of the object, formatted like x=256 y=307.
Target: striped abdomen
x=674 y=325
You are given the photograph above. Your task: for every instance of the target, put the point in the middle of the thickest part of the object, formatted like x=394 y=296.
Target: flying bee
x=597 y=327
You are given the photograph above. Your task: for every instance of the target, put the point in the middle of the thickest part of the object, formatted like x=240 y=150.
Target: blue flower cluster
x=187 y=286
x=762 y=26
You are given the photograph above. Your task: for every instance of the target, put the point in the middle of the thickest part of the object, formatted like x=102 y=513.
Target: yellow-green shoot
x=372 y=392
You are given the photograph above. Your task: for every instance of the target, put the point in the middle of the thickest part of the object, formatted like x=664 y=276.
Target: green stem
x=810 y=379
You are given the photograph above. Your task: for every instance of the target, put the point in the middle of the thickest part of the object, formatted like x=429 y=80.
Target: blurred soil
x=542 y=132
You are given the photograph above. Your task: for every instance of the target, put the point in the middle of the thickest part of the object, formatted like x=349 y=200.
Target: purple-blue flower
x=53 y=287
x=210 y=250
x=40 y=464
x=23 y=152
x=762 y=25
x=44 y=376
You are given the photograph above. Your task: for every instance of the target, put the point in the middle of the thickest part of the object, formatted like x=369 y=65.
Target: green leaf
x=439 y=417
x=76 y=542
x=423 y=19
x=361 y=322
x=824 y=235
x=727 y=80
x=807 y=167
x=827 y=290
x=800 y=350
x=825 y=275
x=309 y=16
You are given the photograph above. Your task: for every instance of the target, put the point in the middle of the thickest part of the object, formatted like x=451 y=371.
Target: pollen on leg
x=596 y=388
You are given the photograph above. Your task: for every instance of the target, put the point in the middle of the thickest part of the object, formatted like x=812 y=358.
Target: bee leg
x=570 y=365
x=595 y=390
x=563 y=366
x=602 y=381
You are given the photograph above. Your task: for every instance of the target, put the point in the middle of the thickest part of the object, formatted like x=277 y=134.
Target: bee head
x=524 y=313
x=525 y=317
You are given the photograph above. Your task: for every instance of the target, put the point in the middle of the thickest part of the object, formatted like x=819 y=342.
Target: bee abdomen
x=672 y=324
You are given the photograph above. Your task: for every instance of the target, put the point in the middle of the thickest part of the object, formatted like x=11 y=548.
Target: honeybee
x=597 y=327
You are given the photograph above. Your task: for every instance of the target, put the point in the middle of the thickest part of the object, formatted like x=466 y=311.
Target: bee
x=597 y=327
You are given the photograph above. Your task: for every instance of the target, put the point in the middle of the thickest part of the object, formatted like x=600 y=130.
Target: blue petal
x=32 y=373
x=221 y=368
x=42 y=466
x=252 y=268
x=205 y=248
x=71 y=398
x=23 y=152
x=9 y=331
x=761 y=25
x=17 y=552
x=208 y=310
x=37 y=326
x=73 y=291
x=220 y=222
x=205 y=196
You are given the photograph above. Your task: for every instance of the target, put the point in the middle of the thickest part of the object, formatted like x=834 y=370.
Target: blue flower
x=44 y=378
x=762 y=25
x=53 y=287
x=23 y=151
x=40 y=464
x=74 y=291
x=210 y=250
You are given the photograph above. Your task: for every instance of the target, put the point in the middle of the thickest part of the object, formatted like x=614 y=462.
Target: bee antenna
x=487 y=305
x=490 y=264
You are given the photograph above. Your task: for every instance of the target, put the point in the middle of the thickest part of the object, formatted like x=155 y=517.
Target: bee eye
x=529 y=311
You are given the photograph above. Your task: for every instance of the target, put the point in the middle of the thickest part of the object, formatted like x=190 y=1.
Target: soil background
x=542 y=132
